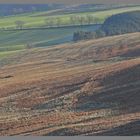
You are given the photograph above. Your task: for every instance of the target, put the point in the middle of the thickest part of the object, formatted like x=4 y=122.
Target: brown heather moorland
x=84 y=88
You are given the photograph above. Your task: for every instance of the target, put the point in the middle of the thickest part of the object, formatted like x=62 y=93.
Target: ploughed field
x=84 y=88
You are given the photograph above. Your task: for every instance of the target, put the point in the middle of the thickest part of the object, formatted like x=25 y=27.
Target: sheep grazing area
x=84 y=88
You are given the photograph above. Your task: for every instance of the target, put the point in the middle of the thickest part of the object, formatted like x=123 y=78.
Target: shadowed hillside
x=85 y=88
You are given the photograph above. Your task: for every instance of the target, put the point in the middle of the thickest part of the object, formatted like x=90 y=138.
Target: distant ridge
x=13 y=9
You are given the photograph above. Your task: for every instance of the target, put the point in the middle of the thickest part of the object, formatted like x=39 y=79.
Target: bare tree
x=58 y=22
x=96 y=20
x=49 y=22
x=89 y=19
x=81 y=20
x=73 y=20
x=19 y=24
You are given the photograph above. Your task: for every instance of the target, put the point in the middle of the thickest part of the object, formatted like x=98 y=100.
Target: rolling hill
x=84 y=88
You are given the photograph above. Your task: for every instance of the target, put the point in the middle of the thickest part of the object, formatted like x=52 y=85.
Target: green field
x=38 y=19
x=16 y=40
x=12 y=42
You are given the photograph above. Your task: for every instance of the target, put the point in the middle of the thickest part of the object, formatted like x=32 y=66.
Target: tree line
x=115 y=25
x=73 y=20
x=59 y=21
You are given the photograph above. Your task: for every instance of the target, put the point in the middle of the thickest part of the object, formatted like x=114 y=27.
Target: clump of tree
x=115 y=25
x=73 y=20
x=122 y=23
x=82 y=35
x=81 y=20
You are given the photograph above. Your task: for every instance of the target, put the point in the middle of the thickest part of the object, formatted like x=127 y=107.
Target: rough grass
x=47 y=91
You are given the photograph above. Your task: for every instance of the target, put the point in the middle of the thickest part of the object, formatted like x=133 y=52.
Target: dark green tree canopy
x=122 y=23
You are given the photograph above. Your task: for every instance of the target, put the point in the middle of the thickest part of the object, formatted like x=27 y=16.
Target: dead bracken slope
x=84 y=88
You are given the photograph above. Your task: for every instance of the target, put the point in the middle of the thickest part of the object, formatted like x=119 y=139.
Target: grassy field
x=38 y=19
x=14 y=40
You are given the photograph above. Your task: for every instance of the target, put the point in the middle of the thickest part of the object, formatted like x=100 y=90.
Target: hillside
x=85 y=88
